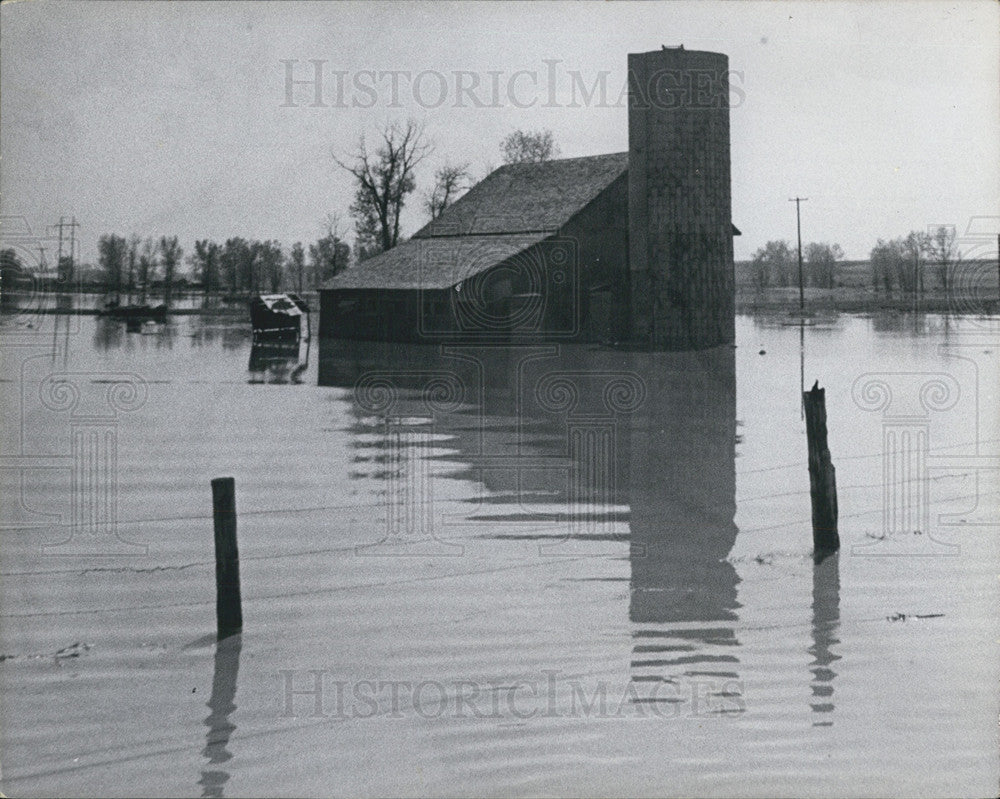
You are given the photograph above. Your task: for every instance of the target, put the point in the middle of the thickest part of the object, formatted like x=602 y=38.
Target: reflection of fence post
x=822 y=475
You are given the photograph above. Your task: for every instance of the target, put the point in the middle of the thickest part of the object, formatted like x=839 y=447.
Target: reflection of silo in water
x=682 y=487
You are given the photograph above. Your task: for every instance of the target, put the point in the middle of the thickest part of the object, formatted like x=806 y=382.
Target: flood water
x=540 y=570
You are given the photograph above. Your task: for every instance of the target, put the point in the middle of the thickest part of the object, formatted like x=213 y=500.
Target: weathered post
x=228 y=610
x=822 y=475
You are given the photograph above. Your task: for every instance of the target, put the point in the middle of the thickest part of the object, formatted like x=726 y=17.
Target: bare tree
x=888 y=261
x=822 y=260
x=385 y=179
x=111 y=251
x=170 y=252
x=271 y=264
x=234 y=251
x=133 y=260
x=916 y=245
x=11 y=269
x=147 y=266
x=450 y=181
x=943 y=250
x=206 y=263
x=329 y=255
x=296 y=265
x=529 y=147
x=772 y=265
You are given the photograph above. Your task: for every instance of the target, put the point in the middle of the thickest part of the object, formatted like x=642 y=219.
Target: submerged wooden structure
x=278 y=316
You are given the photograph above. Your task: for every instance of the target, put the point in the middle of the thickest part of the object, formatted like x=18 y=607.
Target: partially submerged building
x=632 y=246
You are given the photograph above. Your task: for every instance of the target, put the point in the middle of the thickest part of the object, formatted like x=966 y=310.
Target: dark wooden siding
x=571 y=286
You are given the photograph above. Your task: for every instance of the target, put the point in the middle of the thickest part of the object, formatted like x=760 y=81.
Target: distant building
x=632 y=246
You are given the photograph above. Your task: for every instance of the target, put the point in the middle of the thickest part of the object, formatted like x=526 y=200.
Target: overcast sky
x=172 y=118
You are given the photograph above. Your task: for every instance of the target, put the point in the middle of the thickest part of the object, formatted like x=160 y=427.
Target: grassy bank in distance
x=862 y=300
x=974 y=289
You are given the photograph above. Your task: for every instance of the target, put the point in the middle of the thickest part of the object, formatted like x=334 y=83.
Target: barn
x=624 y=247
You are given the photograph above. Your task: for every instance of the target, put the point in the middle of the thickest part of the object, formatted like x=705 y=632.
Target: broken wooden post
x=822 y=475
x=228 y=610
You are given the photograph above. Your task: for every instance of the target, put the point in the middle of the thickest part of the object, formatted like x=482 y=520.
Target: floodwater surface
x=539 y=570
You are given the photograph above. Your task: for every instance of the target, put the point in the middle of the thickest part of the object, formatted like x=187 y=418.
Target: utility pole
x=72 y=225
x=798 y=225
x=60 y=229
x=41 y=258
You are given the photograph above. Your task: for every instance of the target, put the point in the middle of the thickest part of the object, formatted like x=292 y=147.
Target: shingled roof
x=433 y=262
x=527 y=198
x=513 y=208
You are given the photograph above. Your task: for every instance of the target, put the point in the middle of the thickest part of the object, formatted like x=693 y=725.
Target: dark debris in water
x=74 y=650
x=904 y=616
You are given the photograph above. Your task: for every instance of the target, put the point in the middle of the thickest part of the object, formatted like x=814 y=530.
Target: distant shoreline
x=845 y=299
x=862 y=300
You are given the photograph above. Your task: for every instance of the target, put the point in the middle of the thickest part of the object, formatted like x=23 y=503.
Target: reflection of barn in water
x=583 y=452
x=627 y=246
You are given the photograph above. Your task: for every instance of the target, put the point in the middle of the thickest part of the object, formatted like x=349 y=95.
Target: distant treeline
x=913 y=263
x=236 y=267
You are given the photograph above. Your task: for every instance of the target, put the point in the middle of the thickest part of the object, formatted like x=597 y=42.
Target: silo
x=680 y=205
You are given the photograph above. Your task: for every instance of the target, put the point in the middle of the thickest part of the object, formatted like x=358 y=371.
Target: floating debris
x=73 y=650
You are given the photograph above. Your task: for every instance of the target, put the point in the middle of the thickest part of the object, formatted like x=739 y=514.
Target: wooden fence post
x=822 y=475
x=228 y=609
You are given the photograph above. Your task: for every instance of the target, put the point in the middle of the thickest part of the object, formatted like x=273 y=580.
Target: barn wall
x=370 y=314
x=600 y=233
x=590 y=252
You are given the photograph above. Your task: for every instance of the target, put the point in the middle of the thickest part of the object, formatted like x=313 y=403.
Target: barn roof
x=433 y=262
x=511 y=209
x=522 y=198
